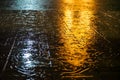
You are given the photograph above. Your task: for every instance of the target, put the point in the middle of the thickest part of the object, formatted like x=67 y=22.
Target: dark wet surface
x=59 y=40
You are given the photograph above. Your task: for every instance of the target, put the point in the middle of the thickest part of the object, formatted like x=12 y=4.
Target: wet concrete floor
x=59 y=39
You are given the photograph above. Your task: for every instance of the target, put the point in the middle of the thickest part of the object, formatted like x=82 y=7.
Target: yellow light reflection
x=68 y=1
x=76 y=32
x=69 y=16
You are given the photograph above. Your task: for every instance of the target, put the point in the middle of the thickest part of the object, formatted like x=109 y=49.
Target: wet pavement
x=59 y=40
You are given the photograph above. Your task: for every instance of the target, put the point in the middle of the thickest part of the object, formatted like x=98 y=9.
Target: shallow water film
x=59 y=39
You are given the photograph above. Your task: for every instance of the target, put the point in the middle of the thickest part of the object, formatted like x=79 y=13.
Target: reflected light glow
x=30 y=42
x=28 y=4
x=68 y=18
x=27 y=55
x=79 y=34
x=68 y=1
x=25 y=62
x=29 y=64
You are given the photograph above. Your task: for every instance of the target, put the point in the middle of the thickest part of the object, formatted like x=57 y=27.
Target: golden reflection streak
x=77 y=34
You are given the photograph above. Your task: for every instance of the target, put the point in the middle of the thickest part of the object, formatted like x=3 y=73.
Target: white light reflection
x=29 y=64
x=30 y=42
x=29 y=4
x=27 y=55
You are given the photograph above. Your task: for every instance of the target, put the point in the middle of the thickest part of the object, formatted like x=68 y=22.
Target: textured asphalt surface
x=59 y=40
